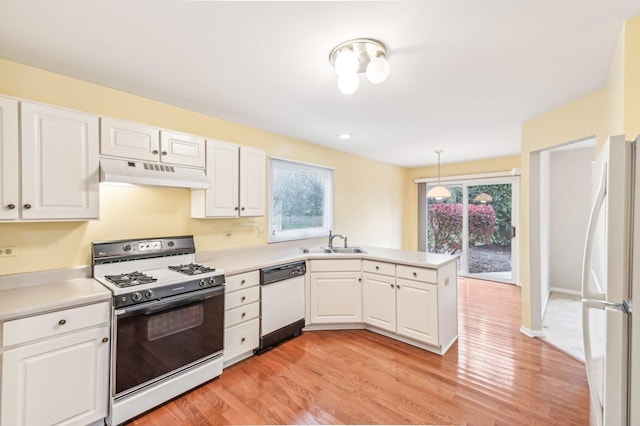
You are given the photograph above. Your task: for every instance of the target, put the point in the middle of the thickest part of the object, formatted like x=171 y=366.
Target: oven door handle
x=168 y=303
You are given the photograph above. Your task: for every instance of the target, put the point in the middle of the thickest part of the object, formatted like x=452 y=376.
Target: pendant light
x=439 y=192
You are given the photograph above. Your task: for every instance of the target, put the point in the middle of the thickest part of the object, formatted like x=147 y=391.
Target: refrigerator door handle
x=591 y=229
x=624 y=307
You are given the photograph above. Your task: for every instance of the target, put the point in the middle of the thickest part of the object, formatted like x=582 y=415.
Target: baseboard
x=531 y=333
x=565 y=291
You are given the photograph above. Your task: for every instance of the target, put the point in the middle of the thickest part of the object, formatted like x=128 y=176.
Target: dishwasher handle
x=279 y=273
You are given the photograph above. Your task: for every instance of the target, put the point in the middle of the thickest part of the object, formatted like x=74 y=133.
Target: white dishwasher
x=282 y=303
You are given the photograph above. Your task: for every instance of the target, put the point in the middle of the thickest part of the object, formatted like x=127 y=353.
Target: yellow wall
x=632 y=77
x=454 y=169
x=368 y=202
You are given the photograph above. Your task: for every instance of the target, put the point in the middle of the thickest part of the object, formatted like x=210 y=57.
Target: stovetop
x=139 y=271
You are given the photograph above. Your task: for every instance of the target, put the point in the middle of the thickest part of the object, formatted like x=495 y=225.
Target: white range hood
x=145 y=173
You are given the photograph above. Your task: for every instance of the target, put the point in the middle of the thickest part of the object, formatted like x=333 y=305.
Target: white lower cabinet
x=336 y=296
x=242 y=316
x=379 y=301
x=62 y=378
x=417 y=307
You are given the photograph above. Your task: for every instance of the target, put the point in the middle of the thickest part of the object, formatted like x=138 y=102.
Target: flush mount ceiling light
x=439 y=192
x=357 y=56
x=344 y=136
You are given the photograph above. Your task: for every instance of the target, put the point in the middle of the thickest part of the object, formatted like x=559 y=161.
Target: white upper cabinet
x=182 y=149
x=146 y=143
x=252 y=181
x=9 y=159
x=129 y=140
x=59 y=164
x=237 y=175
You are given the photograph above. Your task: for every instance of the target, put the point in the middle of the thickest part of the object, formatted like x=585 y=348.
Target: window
x=300 y=200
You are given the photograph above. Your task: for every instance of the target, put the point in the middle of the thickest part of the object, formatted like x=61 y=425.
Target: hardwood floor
x=493 y=375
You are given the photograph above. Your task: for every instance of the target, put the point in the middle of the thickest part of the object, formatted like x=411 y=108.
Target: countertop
x=252 y=258
x=34 y=299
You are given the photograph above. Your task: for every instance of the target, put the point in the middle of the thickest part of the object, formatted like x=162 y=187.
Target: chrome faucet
x=332 y=236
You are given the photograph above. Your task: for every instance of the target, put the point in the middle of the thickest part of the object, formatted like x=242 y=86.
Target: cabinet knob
x=62 y=322
x=415 y=274
x=155 y=152
x=391 y=285
x=236 y=209
x=244 y=314
x=11 y=206
x=243 y=339
x=27 y=206
x=105 y=339
x=243 y=298
x=377 y=268
x=242 y=282
x=242 y=209
x=163 y=153
x=397 y=286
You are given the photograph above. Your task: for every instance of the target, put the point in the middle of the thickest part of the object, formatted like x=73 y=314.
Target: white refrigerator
x=610 y=280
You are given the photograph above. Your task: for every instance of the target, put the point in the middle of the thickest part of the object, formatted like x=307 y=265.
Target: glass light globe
x=346 y=62
x=378 y=70
x=348 y=83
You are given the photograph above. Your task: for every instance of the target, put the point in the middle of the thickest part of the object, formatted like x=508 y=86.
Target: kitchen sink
x=348 y=250
x=336 y=250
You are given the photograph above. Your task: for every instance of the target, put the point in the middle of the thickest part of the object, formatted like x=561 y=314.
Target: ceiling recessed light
x=344 y=136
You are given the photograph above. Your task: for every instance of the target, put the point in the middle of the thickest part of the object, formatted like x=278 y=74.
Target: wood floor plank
x=493 y=375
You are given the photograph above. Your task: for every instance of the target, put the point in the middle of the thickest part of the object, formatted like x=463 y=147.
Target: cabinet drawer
x=240 y=281
x=335 y=265
x=241 y=338
x=418 y=274
x=54 y=323
x=241 y=297
x=383 y=268
x=241 y=314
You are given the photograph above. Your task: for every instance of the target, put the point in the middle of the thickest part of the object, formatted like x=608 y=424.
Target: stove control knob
x=149 y=294
x=203 y=283
x=171 y=244
x=126 y=247
x=212 y=281
x=136 y=297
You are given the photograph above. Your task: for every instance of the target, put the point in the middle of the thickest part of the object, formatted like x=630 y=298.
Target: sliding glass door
x=478 y=225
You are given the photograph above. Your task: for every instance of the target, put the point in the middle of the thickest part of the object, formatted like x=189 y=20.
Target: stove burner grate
x=130 y=279
x=192 y=269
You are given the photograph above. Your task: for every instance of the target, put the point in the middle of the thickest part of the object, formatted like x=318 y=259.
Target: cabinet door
x=417 y=305
x=252 y=181
x=336 y=297
x=9 y=158
x=222 y=169
x=59 y=163
x=182 y=149
x=129 y=140
x=64 y=379
x=379 y=301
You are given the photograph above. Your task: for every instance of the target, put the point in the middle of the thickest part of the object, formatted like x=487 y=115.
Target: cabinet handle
x=11 y=206
x=243 y=298
x=244 y=314
x=62 y=322
x=243 y=340
x=105 y=339
x=163 y=153
x=27 y=206
x=155 y=152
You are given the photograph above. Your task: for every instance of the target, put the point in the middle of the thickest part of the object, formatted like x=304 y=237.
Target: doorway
x=478 y=224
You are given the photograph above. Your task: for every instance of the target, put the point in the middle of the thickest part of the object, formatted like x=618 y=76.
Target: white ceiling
x=464 y=73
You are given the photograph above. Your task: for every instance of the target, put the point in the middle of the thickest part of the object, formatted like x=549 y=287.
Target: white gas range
x=168 y=320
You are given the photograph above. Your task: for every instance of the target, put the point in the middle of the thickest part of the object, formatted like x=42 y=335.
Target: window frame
x=274 y=235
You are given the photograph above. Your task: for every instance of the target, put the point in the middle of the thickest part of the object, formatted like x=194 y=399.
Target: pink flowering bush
x=445 y=226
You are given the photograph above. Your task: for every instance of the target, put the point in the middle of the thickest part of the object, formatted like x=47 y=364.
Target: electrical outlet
x=227 y=235
x=8 y=251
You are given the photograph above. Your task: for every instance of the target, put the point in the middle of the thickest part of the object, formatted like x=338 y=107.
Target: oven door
x=160 y=338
